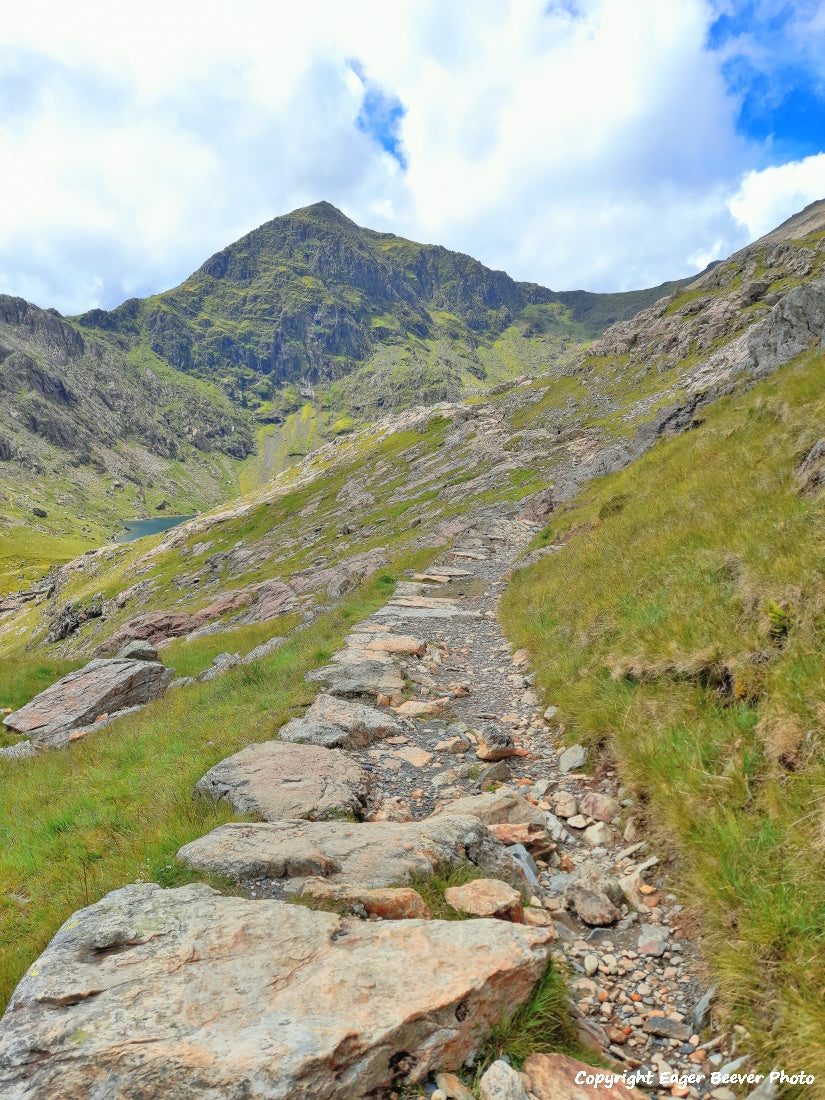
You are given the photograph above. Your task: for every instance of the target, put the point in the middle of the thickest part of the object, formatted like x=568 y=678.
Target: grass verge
x=682 y=626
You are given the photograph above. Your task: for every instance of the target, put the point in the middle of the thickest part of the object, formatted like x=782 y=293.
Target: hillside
x=644 y=515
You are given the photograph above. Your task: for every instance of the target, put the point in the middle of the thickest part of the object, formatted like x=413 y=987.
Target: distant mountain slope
x=310 y=296
x=92 y=433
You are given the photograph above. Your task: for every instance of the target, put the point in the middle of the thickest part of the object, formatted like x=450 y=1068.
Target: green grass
x=118 y=805
x=189 y=658
x=681 y=630
x=26 y=555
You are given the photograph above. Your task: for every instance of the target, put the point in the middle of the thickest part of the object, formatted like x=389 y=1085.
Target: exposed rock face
x=275 y=781
x=372 y=854
x=339 y=724
x=101 y=688
x=268 y=599
x=186 y=994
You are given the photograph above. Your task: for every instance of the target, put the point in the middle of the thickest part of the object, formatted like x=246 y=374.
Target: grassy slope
x=681 y=626
x=123 y=807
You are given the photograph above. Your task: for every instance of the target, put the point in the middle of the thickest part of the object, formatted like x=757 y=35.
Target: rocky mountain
x=309 y=297
x=93 y=434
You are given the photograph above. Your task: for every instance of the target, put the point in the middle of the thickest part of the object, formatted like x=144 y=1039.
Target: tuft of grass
x=431 y=888
x=542 y=1025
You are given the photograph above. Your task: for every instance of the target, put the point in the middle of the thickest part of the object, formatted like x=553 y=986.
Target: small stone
x=652 y=940
x=454 y=746
x=501 y=1082
x=598 y=835
x=599 y=806
x=667 y=1028
x=578 y=821
x=453 y=1087
x=594 y=907
x=564 y=804
x=495 y=773
x=495 y=744
x=537 y=918
x=591 y=965
x=572 y=758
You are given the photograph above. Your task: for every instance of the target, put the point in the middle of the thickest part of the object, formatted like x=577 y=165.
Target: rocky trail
x=426 y=749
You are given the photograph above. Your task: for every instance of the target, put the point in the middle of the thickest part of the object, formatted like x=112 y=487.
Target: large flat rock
x=276 y=780
x=188 y=995
x=103 y=687
x=339 y=724
x=372 y=854
x=354 y=674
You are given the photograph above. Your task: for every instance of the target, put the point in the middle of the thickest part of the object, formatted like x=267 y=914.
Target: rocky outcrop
x=275 y=781
x=268 y=599
x=372 y=854
x=192 y=996
x=102 y=689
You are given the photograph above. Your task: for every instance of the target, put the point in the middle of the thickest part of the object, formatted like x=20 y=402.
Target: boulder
x=275 y=781
x=186 y=994
x=553 y=1077
x=485 y=897
x=372 y=854
x=103 y=687
x=139 y=651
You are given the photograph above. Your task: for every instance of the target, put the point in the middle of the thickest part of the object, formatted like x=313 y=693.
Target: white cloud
x=767 y=198
x=576 y=144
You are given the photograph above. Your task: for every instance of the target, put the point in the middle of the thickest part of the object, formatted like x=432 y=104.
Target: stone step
x=187 y=994
x=372 y=854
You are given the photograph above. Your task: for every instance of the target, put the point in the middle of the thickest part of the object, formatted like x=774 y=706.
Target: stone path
x=429 y=739
x=635 y=978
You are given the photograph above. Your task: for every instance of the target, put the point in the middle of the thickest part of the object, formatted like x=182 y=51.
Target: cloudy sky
x=604 y=144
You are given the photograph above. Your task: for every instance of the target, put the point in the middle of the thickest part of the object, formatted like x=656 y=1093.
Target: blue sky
x=774 y=66
x=605 y=144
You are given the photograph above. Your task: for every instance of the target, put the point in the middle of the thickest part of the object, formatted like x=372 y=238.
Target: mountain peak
x=322 y=211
